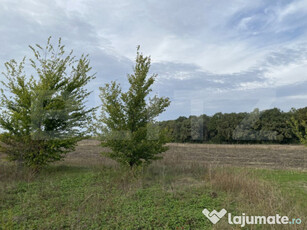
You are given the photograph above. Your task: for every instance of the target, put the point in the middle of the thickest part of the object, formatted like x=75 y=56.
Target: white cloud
x=290 y=74
x=295 y=7
x=196 y=46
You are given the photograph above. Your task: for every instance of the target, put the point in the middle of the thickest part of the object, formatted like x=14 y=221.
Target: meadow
x=89 y=191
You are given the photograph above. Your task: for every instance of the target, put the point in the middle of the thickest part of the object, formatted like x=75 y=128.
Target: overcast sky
x=210 y=56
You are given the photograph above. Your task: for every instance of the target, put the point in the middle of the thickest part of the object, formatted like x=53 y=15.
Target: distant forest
x=271 y=126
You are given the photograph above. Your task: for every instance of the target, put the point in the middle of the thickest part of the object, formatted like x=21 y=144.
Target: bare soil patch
x=259 y=156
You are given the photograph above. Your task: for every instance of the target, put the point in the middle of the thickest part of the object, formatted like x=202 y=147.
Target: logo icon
x=214 y=216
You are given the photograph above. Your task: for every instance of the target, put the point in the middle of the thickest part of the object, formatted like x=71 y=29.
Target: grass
x=95 y=193
x=106 y=198
x=292 y=184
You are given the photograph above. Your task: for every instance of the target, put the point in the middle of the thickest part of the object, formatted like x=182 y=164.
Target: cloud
x=210 y=55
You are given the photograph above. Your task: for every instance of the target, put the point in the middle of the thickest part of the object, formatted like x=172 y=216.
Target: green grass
x=107 y=198
x=160 y=197
x=292 y=184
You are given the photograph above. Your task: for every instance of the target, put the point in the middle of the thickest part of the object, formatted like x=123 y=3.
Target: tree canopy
x=44 y=115
x=299 y=124
x=268 y=126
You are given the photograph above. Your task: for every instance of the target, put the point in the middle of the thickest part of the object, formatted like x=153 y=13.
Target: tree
x=44 y=116
x=273 y=126
x=246 y=130
x=298 y=123
x=128 y=119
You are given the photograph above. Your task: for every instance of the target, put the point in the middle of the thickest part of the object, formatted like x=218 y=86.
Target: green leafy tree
x=273 y=126
x=298 y=123
x=268 y=126
x=128 y=118
x=43 y=116
x=246 y=131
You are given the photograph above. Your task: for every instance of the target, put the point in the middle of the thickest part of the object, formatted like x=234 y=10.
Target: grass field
x=88 y=191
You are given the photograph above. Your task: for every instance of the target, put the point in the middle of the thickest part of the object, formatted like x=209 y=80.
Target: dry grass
x=203 y=163
x=257 y=156
x=184 y=168
x=254 y=197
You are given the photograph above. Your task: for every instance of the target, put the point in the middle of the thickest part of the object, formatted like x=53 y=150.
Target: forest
x=271 y=126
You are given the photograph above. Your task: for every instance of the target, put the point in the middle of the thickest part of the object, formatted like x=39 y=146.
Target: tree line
x=271 y=126
x=43 y=114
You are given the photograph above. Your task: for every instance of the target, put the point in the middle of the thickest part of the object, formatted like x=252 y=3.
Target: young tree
x=44 y=116
x=128 y=118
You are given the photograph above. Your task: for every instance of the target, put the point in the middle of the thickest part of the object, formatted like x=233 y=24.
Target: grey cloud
x=96 y=28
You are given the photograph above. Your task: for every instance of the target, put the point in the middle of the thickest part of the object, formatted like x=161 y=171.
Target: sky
x=210 y=56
